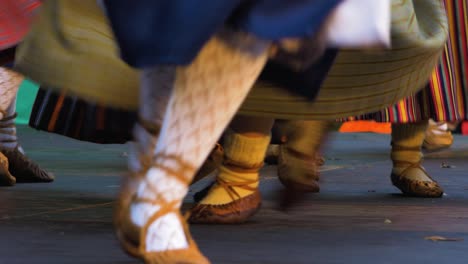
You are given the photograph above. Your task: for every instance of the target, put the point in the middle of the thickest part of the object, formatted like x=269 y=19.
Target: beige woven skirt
x=71 y=47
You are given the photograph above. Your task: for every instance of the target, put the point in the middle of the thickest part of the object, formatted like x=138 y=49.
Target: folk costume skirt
x=358 y=82
x=445 y=97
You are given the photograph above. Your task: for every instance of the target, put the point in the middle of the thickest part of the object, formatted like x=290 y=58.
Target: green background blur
x=26 y=95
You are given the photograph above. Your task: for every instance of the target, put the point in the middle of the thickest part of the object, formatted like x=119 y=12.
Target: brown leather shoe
x=428 y=189
x=133 y=238
x=235 y=212
x=437 y=138
x=24 y=169
x=6 y=179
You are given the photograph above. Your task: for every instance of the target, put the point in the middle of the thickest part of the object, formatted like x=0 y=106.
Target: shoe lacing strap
x=411 y=165
x=405 y=163
x=4 y=124
x=408 y=165
x=164 y=209
x=7 y=118
x=180 y=173
x=396 y=147
x=229 y=186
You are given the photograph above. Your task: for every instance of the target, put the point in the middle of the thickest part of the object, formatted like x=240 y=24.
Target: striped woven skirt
x=52 y=111
x=445 y=98
x=82 y=120
x=56 y=112
x=358 y=82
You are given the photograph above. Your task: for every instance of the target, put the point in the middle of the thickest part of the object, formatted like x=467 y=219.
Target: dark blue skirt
x=152 y=32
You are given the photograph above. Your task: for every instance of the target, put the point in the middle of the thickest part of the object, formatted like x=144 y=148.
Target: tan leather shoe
x=427 y=189
x=6 y=179
x=437 y=138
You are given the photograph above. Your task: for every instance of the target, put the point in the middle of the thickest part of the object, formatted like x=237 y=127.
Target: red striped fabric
x=446 y=96
x=15 y=18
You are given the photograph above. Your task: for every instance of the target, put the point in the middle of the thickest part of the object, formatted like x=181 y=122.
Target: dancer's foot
x=413 y=180
x=437 y=137
x=24 y=169
x=149 y=224
x=233 y=198
x=407 y=173
x=6 y=179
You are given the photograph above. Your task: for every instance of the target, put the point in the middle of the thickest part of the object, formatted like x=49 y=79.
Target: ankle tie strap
x=396 y=147
x=229 y=186
x=4 y=124
x=6 y=119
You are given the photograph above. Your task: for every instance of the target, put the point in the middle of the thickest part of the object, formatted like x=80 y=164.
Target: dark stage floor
x=358 y=217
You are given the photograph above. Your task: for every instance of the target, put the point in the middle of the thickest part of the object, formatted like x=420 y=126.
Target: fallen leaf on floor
x=445 y=165
x=441 y=238
x=388 y=221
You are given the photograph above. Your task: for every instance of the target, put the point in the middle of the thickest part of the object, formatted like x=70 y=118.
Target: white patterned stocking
x=206 y=95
